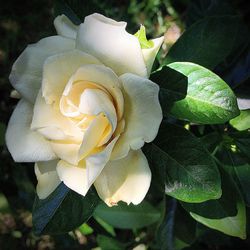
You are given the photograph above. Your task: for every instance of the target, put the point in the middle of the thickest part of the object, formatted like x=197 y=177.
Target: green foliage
x=209 y=99
x=241 y=122
x=173 y=86
x=62 y=211
x=190 y=204
x=191 y=174
x=243 y=173
x=108 y=243
x=206 y=42
x=227 y=214
x=124 y=216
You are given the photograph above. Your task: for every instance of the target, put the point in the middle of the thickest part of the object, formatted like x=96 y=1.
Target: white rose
x=87 y=108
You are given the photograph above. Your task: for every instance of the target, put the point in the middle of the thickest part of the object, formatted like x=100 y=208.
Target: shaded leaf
x=173 y=86
x=204 y=42
x=108 y=243
x=190 y=172
x=62 y=211
x=243 y=175
x=227 y=214
x=128 y=216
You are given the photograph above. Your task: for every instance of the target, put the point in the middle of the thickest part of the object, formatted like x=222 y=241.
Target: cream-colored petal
x=93 y=135
x=150 y=54
x=49 y=121
x=127 y=179
x=47 y=178
x=142 y=114
x=65 y=27
x=66 y=150
x=112 y=44
x=24 y=144
x=26 y=73
x=59 y=68
x=80 y=178
x=96 y=101
x=103 y=76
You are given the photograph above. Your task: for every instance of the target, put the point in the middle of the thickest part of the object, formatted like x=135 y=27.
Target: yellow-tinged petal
x=65 y=27
x=127 y=179
x=24 y=144
x=94 y=102
x=58 y=69
x=142 y=114
x=26 y=73
x=112 y=44
x=104 y=77
x=47 y=178
x=79 y=178
x=93 y=135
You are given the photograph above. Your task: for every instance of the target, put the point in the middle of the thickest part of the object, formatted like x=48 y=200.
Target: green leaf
x=108 y=243
x=243 y=175
x=62 y=211
x=198 y=9
x=209 y=99
x=204 y=42
x=173 y=86
x=128 y=216
x=85 y=229
x=185 y=226
x=211 y=141
x=241 y=122
x=144 y=42
x=227 y=214
x=105 y=225
x=191 y=174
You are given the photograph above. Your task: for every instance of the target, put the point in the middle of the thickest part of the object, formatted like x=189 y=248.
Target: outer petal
x=65 y=27
x=127 y=179
x=112 y=44
x=142 y=114
x=24 y=144
x=59 y=68
x=26 y=74
x=80 y=178
x=150 y=54
x=47 y=178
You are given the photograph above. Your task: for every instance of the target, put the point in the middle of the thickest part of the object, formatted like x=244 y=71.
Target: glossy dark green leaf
x=209 y=99
x=173 y=86
x=211 y=141
x=227 y=214
x=204 y=42
x=198 y=9
x=128 y=216
x=62 y=211
x=243 y=175
x=191 y=174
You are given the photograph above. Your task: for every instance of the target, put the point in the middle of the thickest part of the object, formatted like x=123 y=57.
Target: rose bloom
x=87 y=108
